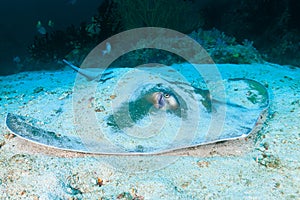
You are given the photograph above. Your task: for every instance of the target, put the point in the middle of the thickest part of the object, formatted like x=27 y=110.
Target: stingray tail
x=89 y=75
x=71 y=65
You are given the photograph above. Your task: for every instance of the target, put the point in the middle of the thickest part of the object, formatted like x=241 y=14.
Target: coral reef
x=225 y=49
x=222 y=49
x=272 y=25
x=74 y=43
x=53 y=47
x=286 y=50
x=115 y=16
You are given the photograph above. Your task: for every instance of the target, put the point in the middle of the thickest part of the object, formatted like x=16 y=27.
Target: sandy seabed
x=265 y=165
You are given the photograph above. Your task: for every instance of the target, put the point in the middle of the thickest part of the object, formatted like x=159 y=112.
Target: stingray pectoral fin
x=242 y=93
x=18 y=126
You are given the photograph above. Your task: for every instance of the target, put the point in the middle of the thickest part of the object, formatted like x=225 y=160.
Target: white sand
x=232 y=170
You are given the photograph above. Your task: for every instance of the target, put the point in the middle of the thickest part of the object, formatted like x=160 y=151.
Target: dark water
x=270 y=27
x=19 y=18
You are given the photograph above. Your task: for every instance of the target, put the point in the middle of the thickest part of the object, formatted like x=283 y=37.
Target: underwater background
x=163 y=135
x=39 y=34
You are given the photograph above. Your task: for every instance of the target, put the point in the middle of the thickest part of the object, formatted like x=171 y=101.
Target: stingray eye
x=166 y=95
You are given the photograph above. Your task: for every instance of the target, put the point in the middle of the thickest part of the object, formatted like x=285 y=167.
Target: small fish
x=40 y=28
x=107 y=50
x=17 y=59
x=39 y=24
x=51 y=23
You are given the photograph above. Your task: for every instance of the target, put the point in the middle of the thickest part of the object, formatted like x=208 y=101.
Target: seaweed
x=180 y=15
x=269 y=161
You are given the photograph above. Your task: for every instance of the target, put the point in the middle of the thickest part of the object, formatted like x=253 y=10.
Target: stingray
x=162 y=115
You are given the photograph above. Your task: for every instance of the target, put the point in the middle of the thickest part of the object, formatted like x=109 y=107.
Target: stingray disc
x=234 y=117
